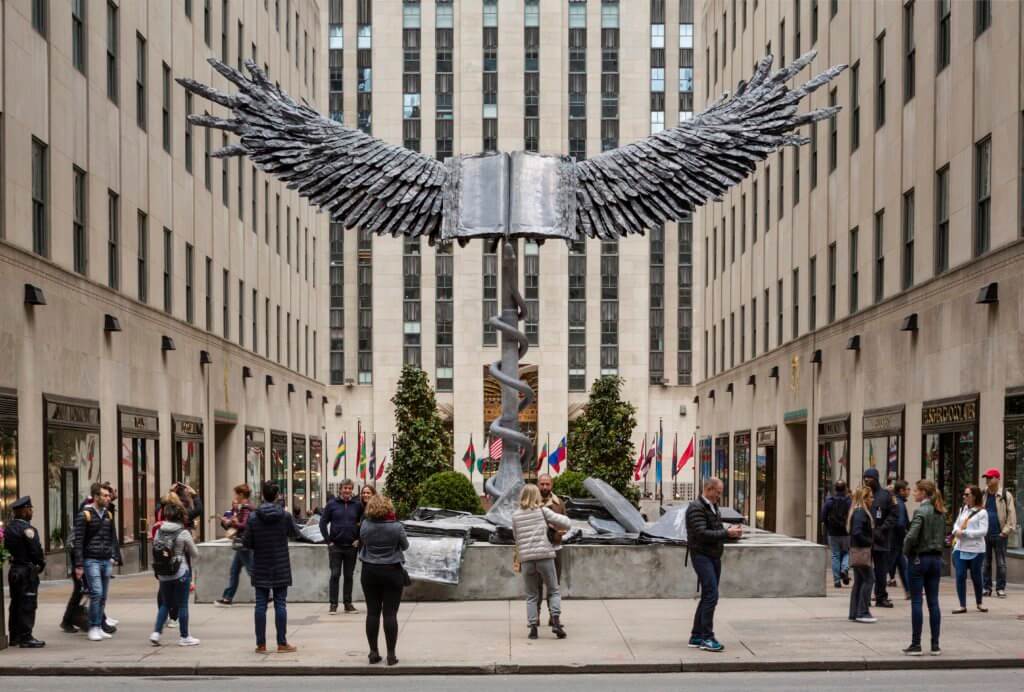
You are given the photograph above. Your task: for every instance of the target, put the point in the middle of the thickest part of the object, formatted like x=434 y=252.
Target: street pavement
x=489 y=637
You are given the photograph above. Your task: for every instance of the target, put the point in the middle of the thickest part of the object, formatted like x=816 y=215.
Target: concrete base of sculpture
x=762 y=565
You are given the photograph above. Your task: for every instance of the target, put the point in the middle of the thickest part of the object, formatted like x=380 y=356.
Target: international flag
x=675 y=457
x=361 y=456
x=380 y=469
x=339 y=454
x=640 y=460
x=495 y=450
x=542 y=458
x=469 y=458
x=658 y=458
x=373 y=458
x=687 y=455
x=557 y=456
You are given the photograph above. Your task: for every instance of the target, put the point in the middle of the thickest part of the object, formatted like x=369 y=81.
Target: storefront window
x=187 y=461
x=8 y=453
x=138 y=476
x=741 y=473
x=279 y=461
x=255 y=459
x=299 y=490
x=72 y=463
x=722 y=466
x=1013 y=458
x=764 y=510
x=833 y=461
x=883 y=443
x=949 y=447
x=316 y=458
x=706 y=469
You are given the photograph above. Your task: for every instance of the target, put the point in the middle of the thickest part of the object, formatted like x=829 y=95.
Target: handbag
x=860 y=557
x=406 y=579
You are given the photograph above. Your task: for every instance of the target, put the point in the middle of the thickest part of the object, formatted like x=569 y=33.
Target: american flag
x=495 y=448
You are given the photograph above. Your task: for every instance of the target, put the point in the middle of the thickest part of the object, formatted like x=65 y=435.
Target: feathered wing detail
x=357 y=179
x=660 y=178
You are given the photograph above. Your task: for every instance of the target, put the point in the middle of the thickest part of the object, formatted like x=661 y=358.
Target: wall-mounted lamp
x=349 y=382
x=728 y=388
x=909 y=323
x=853 y=343
x=269 y=380
x=696 y=400
x=309 y=395
x=774 y=372
x=167 y=343
x=682 y=409
x=711 y=394
x=204 y=358
x=337 y=411
x=246 y=372
x=111 y=324
x=291 y=388
x=989 y=295
x=323 y=401
x=752 y=380
x=816 y=356
x=34 y=295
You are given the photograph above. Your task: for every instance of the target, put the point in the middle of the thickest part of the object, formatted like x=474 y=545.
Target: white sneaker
x=154 y=639
x=96 y=634
x=867 y=620
x=111 y=622
x=188 y=641
x=171 y=623
x=105 y=635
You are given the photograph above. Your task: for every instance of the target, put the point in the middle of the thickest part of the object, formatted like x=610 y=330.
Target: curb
x=753 y=666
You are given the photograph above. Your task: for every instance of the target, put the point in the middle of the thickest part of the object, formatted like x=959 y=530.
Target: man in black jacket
x=266 y=535
x=705 y=540
x=339 y=525
x=833 y=516
x=96 y=551
x=885 y=515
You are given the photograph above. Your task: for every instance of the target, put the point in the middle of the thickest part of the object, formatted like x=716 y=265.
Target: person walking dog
x=530 y=525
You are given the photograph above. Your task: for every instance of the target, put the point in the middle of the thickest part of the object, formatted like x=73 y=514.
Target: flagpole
x=373 y=471
x=359 y=434
x=547 y=455
x=474 y=461
x=661 y=465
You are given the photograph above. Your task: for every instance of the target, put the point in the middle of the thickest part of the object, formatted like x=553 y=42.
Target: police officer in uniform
x=22 y=541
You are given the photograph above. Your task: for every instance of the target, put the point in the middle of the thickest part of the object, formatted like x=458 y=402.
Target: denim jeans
x=709 y=571
x=925 y=573
x=97 y=574
x=242 y=558
x=280 y=595
x=860 y=594
x=840 y=547
x=995 y=548
x=174 y=594
x=973 y=566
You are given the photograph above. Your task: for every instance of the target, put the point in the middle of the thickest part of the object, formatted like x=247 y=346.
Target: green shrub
x=450 y=490
x=570 y=484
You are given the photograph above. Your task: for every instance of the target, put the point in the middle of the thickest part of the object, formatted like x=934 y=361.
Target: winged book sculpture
x=388 y=189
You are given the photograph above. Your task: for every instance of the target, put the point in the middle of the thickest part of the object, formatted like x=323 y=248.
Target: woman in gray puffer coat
x=174 y=583
x=530 y=525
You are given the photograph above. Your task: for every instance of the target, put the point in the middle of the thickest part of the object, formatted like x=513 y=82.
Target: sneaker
x=935 y=650
x=69 y=629
x=286 y=649
x=188 y=641
x=1000 y=593
x=106 y=627
x=111 y=622
x=913 y=650
x=837 y=584
x=261 y=648
x=333 y=610
x=533 y=632
x=884 y=604
x=349 y=608
x=172 y=624
x=867 y=620
x=96 y=634
x=987 y=593
x=695 y=642
x=222 y=603
x=711 y=645
x=846 y=578
x=891 y=582
x=154 y=639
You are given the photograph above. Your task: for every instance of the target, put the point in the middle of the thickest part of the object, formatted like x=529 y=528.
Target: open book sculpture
x=387 y=189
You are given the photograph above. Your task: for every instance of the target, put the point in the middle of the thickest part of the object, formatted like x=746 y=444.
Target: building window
x=209 y=295
x=266 y=332
x=909 y=53
x=943 y=40
x=225 y=195
x=942 y=220
x=982 y=195
x=743 y=333
x=880 y=81
x=531 y=276
x=854 y=270
x=112 y=39
x=207 y=158
x=411 y=306
x=781 y=177
x=190 y=307
x=767 y=199
x=140 y=82
x=796 y=177
x=224 y=32
x=39 y=18
x=241 y=201
x=753 y=212
x=113 y=241
x=833 y=135
x=743 y=224
x=753 y=329
x=684 y=317
x=40 y=199
x=656 y=363
x=241 y=319
x=336 y=281
x=812 y=290
x=225 y=318
x=982 y=16
x=78 y=35
x=490 y=293
x=168 y=270
x=879 y=255
x=831 y=283
x=814 y=21
x=908 y=239
x=444 y=306
x=165 y=114
x=78 y=222
x=206 y=22
x=142 y=262
x=364 y=290
x=814 y=154
x=577 y=315
x=854 y=106
x=778 y=313
x=732 y=339
x=765 y=310
x=255 y=345
x=188 y=132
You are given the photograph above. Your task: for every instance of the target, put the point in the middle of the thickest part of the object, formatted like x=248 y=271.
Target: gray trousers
x=538 y=575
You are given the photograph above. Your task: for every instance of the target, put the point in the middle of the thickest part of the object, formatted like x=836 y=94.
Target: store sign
x=883 y=423
x=58 y=412
x=139 y=423
x=279 y=439
x=1015 y=406
x=742 y=439
x=255 y=437
x=965 y=412
x=188 y=428
x=766 y=438
x=834 y=428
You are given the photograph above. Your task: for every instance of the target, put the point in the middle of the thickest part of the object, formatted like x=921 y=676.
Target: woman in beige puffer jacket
x=530 y=525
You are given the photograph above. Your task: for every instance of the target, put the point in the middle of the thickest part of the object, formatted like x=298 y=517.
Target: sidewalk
x=482 y=637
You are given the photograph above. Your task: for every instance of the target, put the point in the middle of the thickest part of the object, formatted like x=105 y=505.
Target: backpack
x=835 y=520
x=165 y=562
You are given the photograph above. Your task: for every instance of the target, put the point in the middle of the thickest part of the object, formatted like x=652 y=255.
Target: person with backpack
x=96 y=551
x=833 y=516
x=173 y=551
x=1002 y=522
x=969 y=531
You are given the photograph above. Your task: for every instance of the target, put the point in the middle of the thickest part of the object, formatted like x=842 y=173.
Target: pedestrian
x=339 y=525
x=235 y=521
x=923 y=547
x=861 y=526
x=897 y=560
x=884 y=517
x=1002 y=521
x=365 y=494
x=192 y=503
x=27 y=560
x=173 y=553
x=171 y=498
x=266 y=535
x=545 y=484
x=96 y=551
x=833 y=515
x=530 y=524
x=383 y=577
x=969 y=532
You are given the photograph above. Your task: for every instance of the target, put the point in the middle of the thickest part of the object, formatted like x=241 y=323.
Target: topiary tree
x=423 y=446
x=450 y=490
x=570 y=484
x=600 y=444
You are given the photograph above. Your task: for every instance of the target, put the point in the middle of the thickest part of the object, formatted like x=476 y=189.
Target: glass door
x=951 y=462
x=764 y=511
x=722 y=466
x=833 y=465
x=299 y=476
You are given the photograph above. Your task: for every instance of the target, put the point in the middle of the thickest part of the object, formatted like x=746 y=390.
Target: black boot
x=533 y=632
x=556 y=627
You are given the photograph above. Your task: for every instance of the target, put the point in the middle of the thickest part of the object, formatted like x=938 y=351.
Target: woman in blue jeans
x=174 y=586
x=969 y=531
x=923 y=547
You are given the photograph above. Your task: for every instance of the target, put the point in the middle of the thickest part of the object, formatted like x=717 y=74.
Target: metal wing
x=357 y=179
x=644 y=184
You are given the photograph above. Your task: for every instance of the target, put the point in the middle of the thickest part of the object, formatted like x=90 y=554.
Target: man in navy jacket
x=339 y=525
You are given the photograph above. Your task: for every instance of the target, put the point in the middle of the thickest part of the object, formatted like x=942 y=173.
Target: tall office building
x=161 y=308
x=448 y=78
x=861 y=294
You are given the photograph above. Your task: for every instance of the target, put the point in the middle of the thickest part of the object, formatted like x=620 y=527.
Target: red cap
x=991 y=473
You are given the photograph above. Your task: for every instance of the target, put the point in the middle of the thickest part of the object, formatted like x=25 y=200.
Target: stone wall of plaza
x=113 y=209
x=866 y=250
x=365 y=402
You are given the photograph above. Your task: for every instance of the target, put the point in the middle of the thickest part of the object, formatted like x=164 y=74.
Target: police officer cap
x=22 y=502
